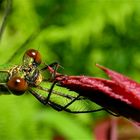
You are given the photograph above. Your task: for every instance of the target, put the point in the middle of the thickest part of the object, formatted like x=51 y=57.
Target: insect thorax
x=31 y=74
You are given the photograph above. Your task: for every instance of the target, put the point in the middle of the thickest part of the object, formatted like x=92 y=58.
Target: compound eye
x=35 y=55
x=17 y=85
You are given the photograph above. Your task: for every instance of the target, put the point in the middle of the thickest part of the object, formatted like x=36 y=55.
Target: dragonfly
x=118 y=96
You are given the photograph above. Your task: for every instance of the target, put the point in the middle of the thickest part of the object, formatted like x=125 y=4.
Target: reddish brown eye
x=35 y=55
x=17 y=85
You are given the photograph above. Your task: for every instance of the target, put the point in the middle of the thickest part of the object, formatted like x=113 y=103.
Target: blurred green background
x=77 y=34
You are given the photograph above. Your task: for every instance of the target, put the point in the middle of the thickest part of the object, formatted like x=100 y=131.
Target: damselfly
x=115 y=97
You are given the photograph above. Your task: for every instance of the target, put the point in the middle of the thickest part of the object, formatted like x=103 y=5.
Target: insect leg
x=55 y=106
x=58 y=107
x=39 y=97
x=64 y=107
x=50 y=92
x=52 y=68
x=54 y=64
x=43 y=101
x=61 y=108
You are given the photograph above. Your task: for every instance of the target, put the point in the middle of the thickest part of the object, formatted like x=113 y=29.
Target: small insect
x=118 y=96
